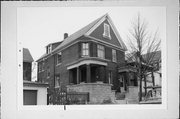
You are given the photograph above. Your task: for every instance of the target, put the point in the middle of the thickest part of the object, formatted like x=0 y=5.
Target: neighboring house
x=34 y=93
x=86 y=61
x=130 y=81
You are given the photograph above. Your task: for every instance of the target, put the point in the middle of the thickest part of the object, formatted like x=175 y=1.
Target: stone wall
x=98 y=92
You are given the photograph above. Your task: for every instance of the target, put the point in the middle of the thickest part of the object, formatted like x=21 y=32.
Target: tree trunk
x=140 y=86
x=152 y=75
x=145 y=84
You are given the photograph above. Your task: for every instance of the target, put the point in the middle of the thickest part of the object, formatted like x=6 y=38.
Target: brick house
x=129 y=80
x=86 y=61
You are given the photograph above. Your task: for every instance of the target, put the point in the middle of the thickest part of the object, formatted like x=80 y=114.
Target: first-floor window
x=85 y=49
x=100 y=51
x=57 y=81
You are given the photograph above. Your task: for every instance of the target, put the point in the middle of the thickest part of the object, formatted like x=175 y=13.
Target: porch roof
x=84 y=61
x=126 y=69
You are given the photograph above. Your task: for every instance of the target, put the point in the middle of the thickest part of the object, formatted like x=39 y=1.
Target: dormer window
x=106 y=33
x=49 y=49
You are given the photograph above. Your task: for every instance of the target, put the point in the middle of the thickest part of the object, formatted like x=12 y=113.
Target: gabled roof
x=27 y=55
x=78 y=34
x=84 y=32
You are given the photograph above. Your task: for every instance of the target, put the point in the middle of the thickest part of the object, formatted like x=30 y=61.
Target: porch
x=91 y=77
x=88 y=72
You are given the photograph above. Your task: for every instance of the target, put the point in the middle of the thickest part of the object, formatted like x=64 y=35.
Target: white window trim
x=58 y=63
x=114 y=58
x=49 y=73
x=49 y=49
x=99 y=56
x=107 y=35
x=55 y=83
x=86 y=49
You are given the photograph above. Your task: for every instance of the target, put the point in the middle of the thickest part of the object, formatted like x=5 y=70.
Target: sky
x=39 y=26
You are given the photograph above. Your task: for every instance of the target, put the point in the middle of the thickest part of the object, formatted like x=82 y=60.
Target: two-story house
x=86 y=61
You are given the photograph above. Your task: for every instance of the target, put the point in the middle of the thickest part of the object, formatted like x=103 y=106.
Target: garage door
x=30 y=97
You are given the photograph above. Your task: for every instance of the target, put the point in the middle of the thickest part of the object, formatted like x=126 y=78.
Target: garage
x=30 y=97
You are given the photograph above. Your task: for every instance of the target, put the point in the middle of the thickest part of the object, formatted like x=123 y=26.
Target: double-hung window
x=57 y=81
x=49 y=49
x=100 y=51
x=59 y=58
x=48 y=72
x=106 y=33
x=85 y=49
x=114 y=58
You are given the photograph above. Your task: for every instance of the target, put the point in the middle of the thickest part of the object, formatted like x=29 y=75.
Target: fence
x=68 y=98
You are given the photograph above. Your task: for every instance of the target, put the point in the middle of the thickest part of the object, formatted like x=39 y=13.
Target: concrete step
x=120 y=96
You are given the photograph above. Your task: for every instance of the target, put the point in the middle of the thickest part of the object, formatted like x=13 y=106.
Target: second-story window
x=100 y=51
x=106 y=31
x=85 y=49
x=114 y=58
x=59 y=58
x=39 y=66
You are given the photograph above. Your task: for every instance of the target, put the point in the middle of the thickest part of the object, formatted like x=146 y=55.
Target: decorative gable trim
x=113 y=28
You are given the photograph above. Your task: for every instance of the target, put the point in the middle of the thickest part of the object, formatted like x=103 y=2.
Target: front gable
x=98 y=32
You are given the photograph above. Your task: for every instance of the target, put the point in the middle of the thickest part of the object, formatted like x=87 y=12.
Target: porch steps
x=120 y=96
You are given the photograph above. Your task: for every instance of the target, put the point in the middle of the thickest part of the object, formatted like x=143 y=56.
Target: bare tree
x=143 y=46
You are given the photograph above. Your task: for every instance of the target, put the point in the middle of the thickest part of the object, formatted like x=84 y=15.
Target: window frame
x=48 y=72
x=101 y=51
x=85 y=50
x=57 y=58
x=114 y=55
x=56 y=79
x=106 y=32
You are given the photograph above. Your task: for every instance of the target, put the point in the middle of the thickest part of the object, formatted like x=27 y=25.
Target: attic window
x=106 y=33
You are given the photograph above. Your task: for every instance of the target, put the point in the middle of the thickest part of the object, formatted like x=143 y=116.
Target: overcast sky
x=39 y=26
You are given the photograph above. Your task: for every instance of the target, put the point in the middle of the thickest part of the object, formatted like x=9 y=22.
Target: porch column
x=70 y=77
x=102 y=73
x=77 y=75
x=127 y=84
x=88 y=73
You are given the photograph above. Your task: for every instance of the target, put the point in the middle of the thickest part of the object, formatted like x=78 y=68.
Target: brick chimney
x=65 y=35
